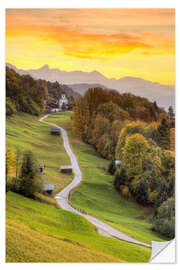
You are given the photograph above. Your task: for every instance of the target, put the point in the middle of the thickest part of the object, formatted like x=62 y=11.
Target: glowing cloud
x=116 y=42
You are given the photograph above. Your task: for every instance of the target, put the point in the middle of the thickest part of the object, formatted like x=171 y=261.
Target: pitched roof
x=66 y=167
x=48 y=187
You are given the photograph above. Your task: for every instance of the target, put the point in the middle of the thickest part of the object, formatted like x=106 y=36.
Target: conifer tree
x=30 y=178
x=163 y=131
x=171 y=114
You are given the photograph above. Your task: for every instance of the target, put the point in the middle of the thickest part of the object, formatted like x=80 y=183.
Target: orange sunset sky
x=115 y=42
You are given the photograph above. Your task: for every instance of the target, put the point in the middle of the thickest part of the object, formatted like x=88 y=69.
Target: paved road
x=62 y=197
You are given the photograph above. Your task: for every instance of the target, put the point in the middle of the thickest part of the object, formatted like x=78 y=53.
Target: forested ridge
x=25 y=94
x=140 y=135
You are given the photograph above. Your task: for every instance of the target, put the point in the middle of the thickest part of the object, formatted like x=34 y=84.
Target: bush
x=125 y=191
x=10 y=107
x=112 y=167
x=142 y=192
x=121 y=178
x=164 y=222
x=15 y=185
x=152 y=197
x=163 y=192
x=168 y=164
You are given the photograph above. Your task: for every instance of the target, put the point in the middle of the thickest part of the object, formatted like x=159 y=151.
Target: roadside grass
x=96 y=195
x=37 y=232
x=25 y=132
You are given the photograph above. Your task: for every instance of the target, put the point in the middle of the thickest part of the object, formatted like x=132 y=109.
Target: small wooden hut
x=55 y=131
x=41 y=168
x=66 y=169
x=48 y=188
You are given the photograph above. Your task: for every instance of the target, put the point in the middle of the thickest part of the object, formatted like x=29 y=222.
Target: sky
x=116 y=42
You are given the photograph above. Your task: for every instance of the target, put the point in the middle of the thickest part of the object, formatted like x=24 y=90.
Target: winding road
x=62 y=197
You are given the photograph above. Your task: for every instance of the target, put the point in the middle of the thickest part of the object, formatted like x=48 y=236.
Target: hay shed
x=41 y=168
x=48 y=188
x=55 y=131
x=66 y=169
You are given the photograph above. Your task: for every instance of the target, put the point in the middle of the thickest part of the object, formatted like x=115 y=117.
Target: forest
x=138 y=138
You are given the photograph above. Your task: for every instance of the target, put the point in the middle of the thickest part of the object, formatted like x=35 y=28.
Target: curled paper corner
x=163 y=252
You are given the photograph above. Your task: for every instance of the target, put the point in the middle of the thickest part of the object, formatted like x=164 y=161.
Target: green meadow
x=37 y=232
x=25 y=132
x=41 y=232
x=96 y=195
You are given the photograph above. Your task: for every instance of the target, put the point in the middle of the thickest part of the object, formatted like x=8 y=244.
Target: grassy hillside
x=25 y=132
x=37 y=232
x=96 y=194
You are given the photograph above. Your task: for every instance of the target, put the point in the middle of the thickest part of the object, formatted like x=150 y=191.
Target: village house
x=50 y=104
x=66 y=169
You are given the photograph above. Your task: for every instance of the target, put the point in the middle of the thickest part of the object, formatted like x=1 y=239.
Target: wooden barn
x=55 y=131
x=48 y=188
x=66 y=169
x=41 y=168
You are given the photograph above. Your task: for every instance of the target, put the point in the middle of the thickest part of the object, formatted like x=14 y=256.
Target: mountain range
x=80 y=81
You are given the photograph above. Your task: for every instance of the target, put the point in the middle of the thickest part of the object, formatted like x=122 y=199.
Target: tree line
x=138 y=134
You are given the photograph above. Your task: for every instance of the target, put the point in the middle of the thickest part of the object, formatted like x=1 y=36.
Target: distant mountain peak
x=45 y=67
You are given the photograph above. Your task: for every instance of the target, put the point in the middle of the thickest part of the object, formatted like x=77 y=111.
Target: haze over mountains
x=80 y=81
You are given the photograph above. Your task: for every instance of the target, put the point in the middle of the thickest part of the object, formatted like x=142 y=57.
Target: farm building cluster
x=63 y=104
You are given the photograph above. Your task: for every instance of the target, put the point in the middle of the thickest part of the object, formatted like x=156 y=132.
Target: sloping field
x=37 y=232
x=40 y=232
x=25 y=132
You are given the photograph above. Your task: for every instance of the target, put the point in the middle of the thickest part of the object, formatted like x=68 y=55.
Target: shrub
x=15 y=185
x=112 y=167
x=164 y=222
x=101 y=127
x=104 y=146
x=142 y=192
x=168 y=164
x=121 y=178
x=125 y=191
x=10 y=160
x=152 y=197
x=163 y=191
x=10 y=107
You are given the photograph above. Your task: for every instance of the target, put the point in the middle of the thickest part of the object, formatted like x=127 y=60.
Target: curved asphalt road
x=63 y=201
